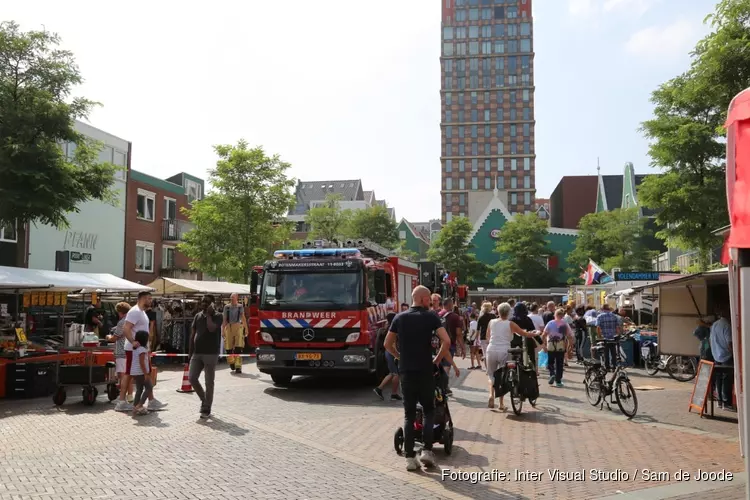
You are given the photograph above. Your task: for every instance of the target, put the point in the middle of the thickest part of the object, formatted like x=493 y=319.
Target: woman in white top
x=500 y=334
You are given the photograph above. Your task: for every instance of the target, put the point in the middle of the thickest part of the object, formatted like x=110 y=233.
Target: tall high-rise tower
x=487 y=106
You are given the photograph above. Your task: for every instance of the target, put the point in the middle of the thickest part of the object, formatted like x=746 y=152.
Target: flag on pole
x=595 y=275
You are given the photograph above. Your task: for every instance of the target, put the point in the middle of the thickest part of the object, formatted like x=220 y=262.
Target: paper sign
x=26 y=299
x=34 y=299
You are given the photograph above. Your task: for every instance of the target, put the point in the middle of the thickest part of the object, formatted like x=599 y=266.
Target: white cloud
x=660 y=42
x=582 y=8
x=637 y=7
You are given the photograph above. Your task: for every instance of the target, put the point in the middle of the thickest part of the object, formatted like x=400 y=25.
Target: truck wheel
x=281 y=380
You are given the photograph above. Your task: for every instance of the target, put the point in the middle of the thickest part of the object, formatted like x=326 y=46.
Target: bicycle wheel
x=515 y=400
x=681 y=368
x=593 y=385
x=626 y=398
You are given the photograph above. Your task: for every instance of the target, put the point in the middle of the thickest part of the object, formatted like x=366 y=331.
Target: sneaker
x=205 y=413
x=130 y=398
x=155 y=404
x=238 y=370
x=552 y=380
x=379 y=393
x=123 y=406
x=412 y=463
x=559 y=385
x=449 y=392
x=396 y=397
x=427 y=458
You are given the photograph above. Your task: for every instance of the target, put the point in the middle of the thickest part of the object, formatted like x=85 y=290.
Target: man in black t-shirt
x=549 y=314
x=92 y=319
x=410 y=341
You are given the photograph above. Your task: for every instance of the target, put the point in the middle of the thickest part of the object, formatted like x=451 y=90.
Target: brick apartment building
x=155 y=225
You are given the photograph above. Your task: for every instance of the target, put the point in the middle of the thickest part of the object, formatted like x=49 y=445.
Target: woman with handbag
x=557 y=336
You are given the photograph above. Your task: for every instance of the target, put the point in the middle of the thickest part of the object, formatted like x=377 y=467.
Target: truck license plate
x=308 y=356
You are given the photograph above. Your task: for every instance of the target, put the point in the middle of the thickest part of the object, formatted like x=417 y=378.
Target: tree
x=687 y=134
x=328 y=221
x=236 y=225
x=374 y=224
x=405 y=253
x=41 y=182
x=523 y=253
x=452 y=249
x=611 y=239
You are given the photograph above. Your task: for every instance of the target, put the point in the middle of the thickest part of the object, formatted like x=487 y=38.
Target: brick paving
x=324 y=439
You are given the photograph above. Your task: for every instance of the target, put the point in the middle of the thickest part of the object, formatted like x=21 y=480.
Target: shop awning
x=174 y=286
x=18 y=278
x=520 y=292
x=716 y=274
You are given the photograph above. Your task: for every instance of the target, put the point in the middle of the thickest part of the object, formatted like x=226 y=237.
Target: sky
x=346 y=89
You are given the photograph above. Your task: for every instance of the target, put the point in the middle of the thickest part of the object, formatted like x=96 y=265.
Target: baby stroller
x=442 y=432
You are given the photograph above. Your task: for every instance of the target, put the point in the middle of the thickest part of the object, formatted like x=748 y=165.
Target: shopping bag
x=543 y=359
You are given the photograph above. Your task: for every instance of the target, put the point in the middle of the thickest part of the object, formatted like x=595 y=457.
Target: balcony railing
x=174 y=229
x=178 y=273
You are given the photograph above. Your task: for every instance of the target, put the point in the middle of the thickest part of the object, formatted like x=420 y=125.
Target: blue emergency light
x=316 y=252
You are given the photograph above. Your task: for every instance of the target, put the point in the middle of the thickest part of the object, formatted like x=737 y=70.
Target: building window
x=448 y=183
x=168 y=257
x=461 y=199
x=527 y=113
x=448 y=132
x=448 y=165
x=106 y=155
x=500 y=164
x=525 y=45
x=474 y=132
x=527 y=163
x=525 y=29
x=461 y=165
x=461 y=134
x=513 y=130
x=144 y=256
x=526 y=95
x=511 y=12
x=448 y=49
x=499 y=47
x=473 y=31
x=527 y=198
x=487 y=183
x=448 y=117
x=448 y=98
x=402 y=235
x=462 y=214
x=194 y=191
x=526 y=129
x=486 y=115
x=473 y=14
x=512 y=46
x=448 y=33
x=448 y=84
x=499 y=12
x=448 y=216
x=474 y=183
x=526 y=147
x=487 y=131
x=513 y=148
x=500 y=148
x=513 y=183
x=486 y=14
x=514 y=199
x=473 y=48
x=487 y=148
x=474 y=164
x=8 y=232
x=461 y=184
x=501 y=182
x=461 y=150
x=513 y=164
x=487 y=165
x=449 y=149
x=474 y=149
x=499 y=30
x=526 y=182
x=512 y=30
x=487 y=31
x=145 y=205
x=448 y=199
x=170 y=208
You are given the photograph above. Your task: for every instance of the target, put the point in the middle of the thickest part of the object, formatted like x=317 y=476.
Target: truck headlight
x=352 y=337
x=266 y=337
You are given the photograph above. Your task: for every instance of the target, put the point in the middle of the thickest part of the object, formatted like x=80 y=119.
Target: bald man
x=410 y=341
x=234 y=328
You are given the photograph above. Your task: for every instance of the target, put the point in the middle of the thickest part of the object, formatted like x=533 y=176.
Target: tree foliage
x=687 y=134
x=328 y=221
x=452 y=249
x=41 y=182
x=374 y=224
x=236 y=225
x=611 y=239
x=405 y=253
x=523 y=250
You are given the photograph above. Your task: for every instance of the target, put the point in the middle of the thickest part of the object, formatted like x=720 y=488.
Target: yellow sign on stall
x=50 y=298
x=34 y=299
x=57 y=299
x=26 y=299
x=63 y=298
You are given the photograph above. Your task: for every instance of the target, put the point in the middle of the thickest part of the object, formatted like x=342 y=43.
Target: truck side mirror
x=254 y=287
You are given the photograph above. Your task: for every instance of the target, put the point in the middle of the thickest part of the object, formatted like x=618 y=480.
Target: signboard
x=701 y=387
x=636 y=276
x=80 y=257
x=310 y=265
x=495 y=233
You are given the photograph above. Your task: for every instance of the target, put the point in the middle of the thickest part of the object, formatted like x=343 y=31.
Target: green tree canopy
x=374 y=224
x=452 y=249
x=686 y=134
x=236 y=224
x=611 y=239
x=328 y=221
x=47 y=168
x=523 y=253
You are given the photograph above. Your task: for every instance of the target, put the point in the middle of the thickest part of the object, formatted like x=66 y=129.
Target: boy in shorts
x=118 y=337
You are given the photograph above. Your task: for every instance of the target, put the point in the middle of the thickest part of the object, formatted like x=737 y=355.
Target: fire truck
x=322 y=309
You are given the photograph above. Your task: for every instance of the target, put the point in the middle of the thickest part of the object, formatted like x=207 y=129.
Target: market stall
x=31 y=299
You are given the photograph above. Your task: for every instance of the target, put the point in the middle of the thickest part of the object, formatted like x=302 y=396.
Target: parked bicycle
x=598 y=387
x=680 y=368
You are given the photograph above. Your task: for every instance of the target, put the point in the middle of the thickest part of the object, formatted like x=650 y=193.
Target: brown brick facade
x=487 y=99
x=156 y=232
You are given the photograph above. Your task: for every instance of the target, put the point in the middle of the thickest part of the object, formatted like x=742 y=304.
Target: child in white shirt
x=141 y=373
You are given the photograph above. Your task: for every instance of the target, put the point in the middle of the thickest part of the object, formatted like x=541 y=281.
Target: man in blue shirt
x=608 y=326
x=721 y=350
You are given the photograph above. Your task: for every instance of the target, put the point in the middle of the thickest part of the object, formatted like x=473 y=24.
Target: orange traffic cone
x=186 y=387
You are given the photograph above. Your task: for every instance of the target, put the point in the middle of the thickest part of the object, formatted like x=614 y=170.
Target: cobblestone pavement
x=326 y=439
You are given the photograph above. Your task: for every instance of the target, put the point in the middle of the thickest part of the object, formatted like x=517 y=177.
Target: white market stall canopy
x=18 y=278
x=174 y=286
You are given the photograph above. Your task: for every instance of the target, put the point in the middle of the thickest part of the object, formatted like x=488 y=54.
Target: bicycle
x=680 y=368
x=520 y=379
x=598 y=387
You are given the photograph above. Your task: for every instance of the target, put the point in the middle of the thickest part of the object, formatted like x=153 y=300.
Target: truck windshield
x=310 y=290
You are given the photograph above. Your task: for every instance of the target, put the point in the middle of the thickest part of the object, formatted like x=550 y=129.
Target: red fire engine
x=323 y=310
